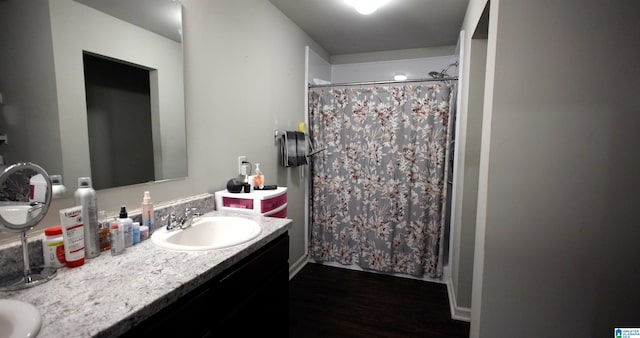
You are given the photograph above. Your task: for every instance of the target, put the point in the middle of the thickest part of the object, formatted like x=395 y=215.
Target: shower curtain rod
x=379 y=82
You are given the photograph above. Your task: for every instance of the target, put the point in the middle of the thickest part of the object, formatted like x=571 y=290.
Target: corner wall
x=556 y=222
x=27 y=85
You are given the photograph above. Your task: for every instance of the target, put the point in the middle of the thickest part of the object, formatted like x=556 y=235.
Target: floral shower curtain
x=378 y=189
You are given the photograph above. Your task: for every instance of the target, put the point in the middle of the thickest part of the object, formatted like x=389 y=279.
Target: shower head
x=443 y=73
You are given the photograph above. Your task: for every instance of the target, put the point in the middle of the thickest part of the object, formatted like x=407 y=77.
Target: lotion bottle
x=72 y=235
x=85 y=196
x=126 y=224
x=147 y=212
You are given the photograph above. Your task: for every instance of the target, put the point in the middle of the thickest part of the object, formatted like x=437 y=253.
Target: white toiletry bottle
x=144 y=232
x=126 y=224
x=117 y=239
x=85 y=196
x=53 y=247
x=147 y=212
x=37 y=189
x=58 y=190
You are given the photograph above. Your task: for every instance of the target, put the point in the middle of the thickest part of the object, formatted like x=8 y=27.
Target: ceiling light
x=399 y=77
x=366 y=7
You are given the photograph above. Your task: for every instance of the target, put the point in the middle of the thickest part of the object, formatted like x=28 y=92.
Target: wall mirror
x=51 y=114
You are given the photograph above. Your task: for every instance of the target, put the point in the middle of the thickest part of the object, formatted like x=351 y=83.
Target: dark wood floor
x=327 y=301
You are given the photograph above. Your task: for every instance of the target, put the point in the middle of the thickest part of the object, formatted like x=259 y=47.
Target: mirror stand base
x=30 y=276
x=19 y=281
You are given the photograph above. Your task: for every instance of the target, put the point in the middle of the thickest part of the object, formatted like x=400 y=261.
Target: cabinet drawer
x=273 y=203
x=280 y=214
x=240 y=203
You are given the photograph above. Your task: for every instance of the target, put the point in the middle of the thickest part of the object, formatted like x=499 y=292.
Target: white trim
x=457 y=312
x=483 y=176
x=306 y=170
x=456 y=179
x=402 y=275
x=297 y=266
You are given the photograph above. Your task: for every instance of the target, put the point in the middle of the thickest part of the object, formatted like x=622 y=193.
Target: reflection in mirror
x=25 y=197
x=44 y=113
x=119 y=119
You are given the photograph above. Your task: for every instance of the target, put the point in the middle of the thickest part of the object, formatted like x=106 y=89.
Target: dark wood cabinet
x=249 y=298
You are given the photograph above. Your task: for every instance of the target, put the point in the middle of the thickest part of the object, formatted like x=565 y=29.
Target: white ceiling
x=399 y=24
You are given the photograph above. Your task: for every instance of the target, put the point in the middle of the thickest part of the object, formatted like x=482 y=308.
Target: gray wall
x=557 y=227
x=27 y=84
x=245 y=68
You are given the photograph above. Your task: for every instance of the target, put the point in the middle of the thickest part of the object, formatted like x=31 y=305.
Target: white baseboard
x=358 y=268
x=297 y=266
x=457 y=312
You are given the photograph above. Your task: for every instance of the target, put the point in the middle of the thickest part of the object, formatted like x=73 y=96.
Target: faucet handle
x=191 y=212
x=172 y=220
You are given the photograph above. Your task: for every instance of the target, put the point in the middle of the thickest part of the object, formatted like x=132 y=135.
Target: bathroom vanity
x=254 y=288
x=153 y=291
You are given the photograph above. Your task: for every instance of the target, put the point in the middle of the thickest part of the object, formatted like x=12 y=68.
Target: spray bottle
x=126 y=224
x=85 y=196
x=147 y=212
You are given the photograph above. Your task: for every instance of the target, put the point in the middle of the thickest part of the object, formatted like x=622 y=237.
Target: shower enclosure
x=379 y=191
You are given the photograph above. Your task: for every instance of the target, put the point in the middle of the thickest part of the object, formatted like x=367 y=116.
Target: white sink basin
x=208 y=233
x=18 y=319
x=15 y=214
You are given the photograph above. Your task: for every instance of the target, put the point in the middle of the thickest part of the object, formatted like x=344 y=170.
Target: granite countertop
x=108 y=295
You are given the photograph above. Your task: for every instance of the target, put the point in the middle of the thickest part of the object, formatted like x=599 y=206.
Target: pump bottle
x=258 y=178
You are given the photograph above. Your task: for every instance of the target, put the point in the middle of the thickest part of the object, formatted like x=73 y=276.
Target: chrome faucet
x=183 y=222
x=34 y=210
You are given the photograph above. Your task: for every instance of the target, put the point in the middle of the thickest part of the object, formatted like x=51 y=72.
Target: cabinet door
x=181 y=319
x=257 y=290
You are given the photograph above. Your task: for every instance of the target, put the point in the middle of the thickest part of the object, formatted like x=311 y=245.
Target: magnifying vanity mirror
x=25 y=197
